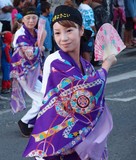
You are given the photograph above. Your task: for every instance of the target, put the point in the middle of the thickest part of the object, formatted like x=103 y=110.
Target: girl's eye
x=56 y=33
x=69 y=30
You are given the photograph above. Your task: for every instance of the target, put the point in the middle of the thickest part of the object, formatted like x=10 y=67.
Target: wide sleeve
x=102 y=74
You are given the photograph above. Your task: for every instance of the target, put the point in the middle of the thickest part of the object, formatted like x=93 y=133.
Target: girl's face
x=30 y=21
x=68 y=39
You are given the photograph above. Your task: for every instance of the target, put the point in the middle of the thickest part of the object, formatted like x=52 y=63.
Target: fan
x=41 y=32
x=107 y=42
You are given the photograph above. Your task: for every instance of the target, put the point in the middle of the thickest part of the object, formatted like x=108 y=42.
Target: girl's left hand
x=109 y=61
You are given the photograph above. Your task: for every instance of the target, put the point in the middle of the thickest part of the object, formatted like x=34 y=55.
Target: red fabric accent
x=9 y=84
x=8 y=37
x=7 y=52
x=4 y=84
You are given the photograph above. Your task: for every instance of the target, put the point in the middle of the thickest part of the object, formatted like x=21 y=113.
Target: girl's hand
x=42 y=48
x=108 y=62
x=36 y=43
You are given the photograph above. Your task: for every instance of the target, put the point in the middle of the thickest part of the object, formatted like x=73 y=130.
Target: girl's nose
x=64 y=37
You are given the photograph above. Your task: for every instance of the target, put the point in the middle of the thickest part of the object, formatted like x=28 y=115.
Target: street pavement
x=121 y=98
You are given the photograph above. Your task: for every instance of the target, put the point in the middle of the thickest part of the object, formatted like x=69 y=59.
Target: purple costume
x=73 y=107
x=25 y=65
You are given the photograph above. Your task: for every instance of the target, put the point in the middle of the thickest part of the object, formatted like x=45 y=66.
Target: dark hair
x=45 y=5
x=27 y=4
x=69 y=3
x=17 y=2
x=67 y=23
x=78 y=2
x=43 y=1
x=29 y=9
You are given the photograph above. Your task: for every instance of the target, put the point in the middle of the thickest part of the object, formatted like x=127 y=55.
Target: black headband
x=64 y=12
x=29 y=10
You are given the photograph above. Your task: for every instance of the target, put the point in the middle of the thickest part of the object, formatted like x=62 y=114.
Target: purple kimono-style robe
x=73 y=105
x=25 y=65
